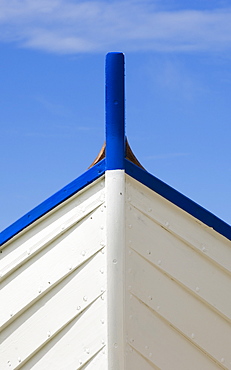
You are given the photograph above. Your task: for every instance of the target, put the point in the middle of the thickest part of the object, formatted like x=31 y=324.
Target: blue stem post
x=115 y=115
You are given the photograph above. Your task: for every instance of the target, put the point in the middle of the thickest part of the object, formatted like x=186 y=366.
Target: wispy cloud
x=166 y=156
x=52 y=108
x=67 y=26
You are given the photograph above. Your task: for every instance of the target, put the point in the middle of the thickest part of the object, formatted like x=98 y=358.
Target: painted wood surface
x=53 y=287
x=115 y=241
x=116 y=275
x=178 y=284
x=117 y=278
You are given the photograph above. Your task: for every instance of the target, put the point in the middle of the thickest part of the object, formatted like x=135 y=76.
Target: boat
x=117 y=270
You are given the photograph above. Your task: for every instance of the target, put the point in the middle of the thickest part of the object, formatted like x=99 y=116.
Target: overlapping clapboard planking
x=135 y=360
x=160 y=300
x=77 y=343
x=178 y=306
x=53 y=288
x=160 y=343
x=48 y=228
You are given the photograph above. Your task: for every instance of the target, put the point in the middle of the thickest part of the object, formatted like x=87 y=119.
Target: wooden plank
x=82 y=339
x=180 y=200
x=115 y=239
x=54 y=201
x=178 y=222
x=135 y=361
x=45 y=269
x=46 y=229
x=46 y=320
x=186 y=265
x=159 y=343
x=194 y=320
x=97 y=362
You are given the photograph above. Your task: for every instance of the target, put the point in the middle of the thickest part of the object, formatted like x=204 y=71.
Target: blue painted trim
x=115 y=159
x=178 y=199
x=138 y=174
x=88 y=177
x=115 y=116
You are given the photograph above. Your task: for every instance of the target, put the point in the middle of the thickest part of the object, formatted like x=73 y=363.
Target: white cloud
x=166 y=156
x=67 y=26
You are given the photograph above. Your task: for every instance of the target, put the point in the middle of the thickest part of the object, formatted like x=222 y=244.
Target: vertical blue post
x=115 y=116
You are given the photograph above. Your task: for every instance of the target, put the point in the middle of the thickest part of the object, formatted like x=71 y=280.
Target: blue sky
x=178 y=89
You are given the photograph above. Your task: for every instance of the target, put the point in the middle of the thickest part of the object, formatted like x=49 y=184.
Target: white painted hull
x=54 y=314
x=178 y=277
x=116 y=277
